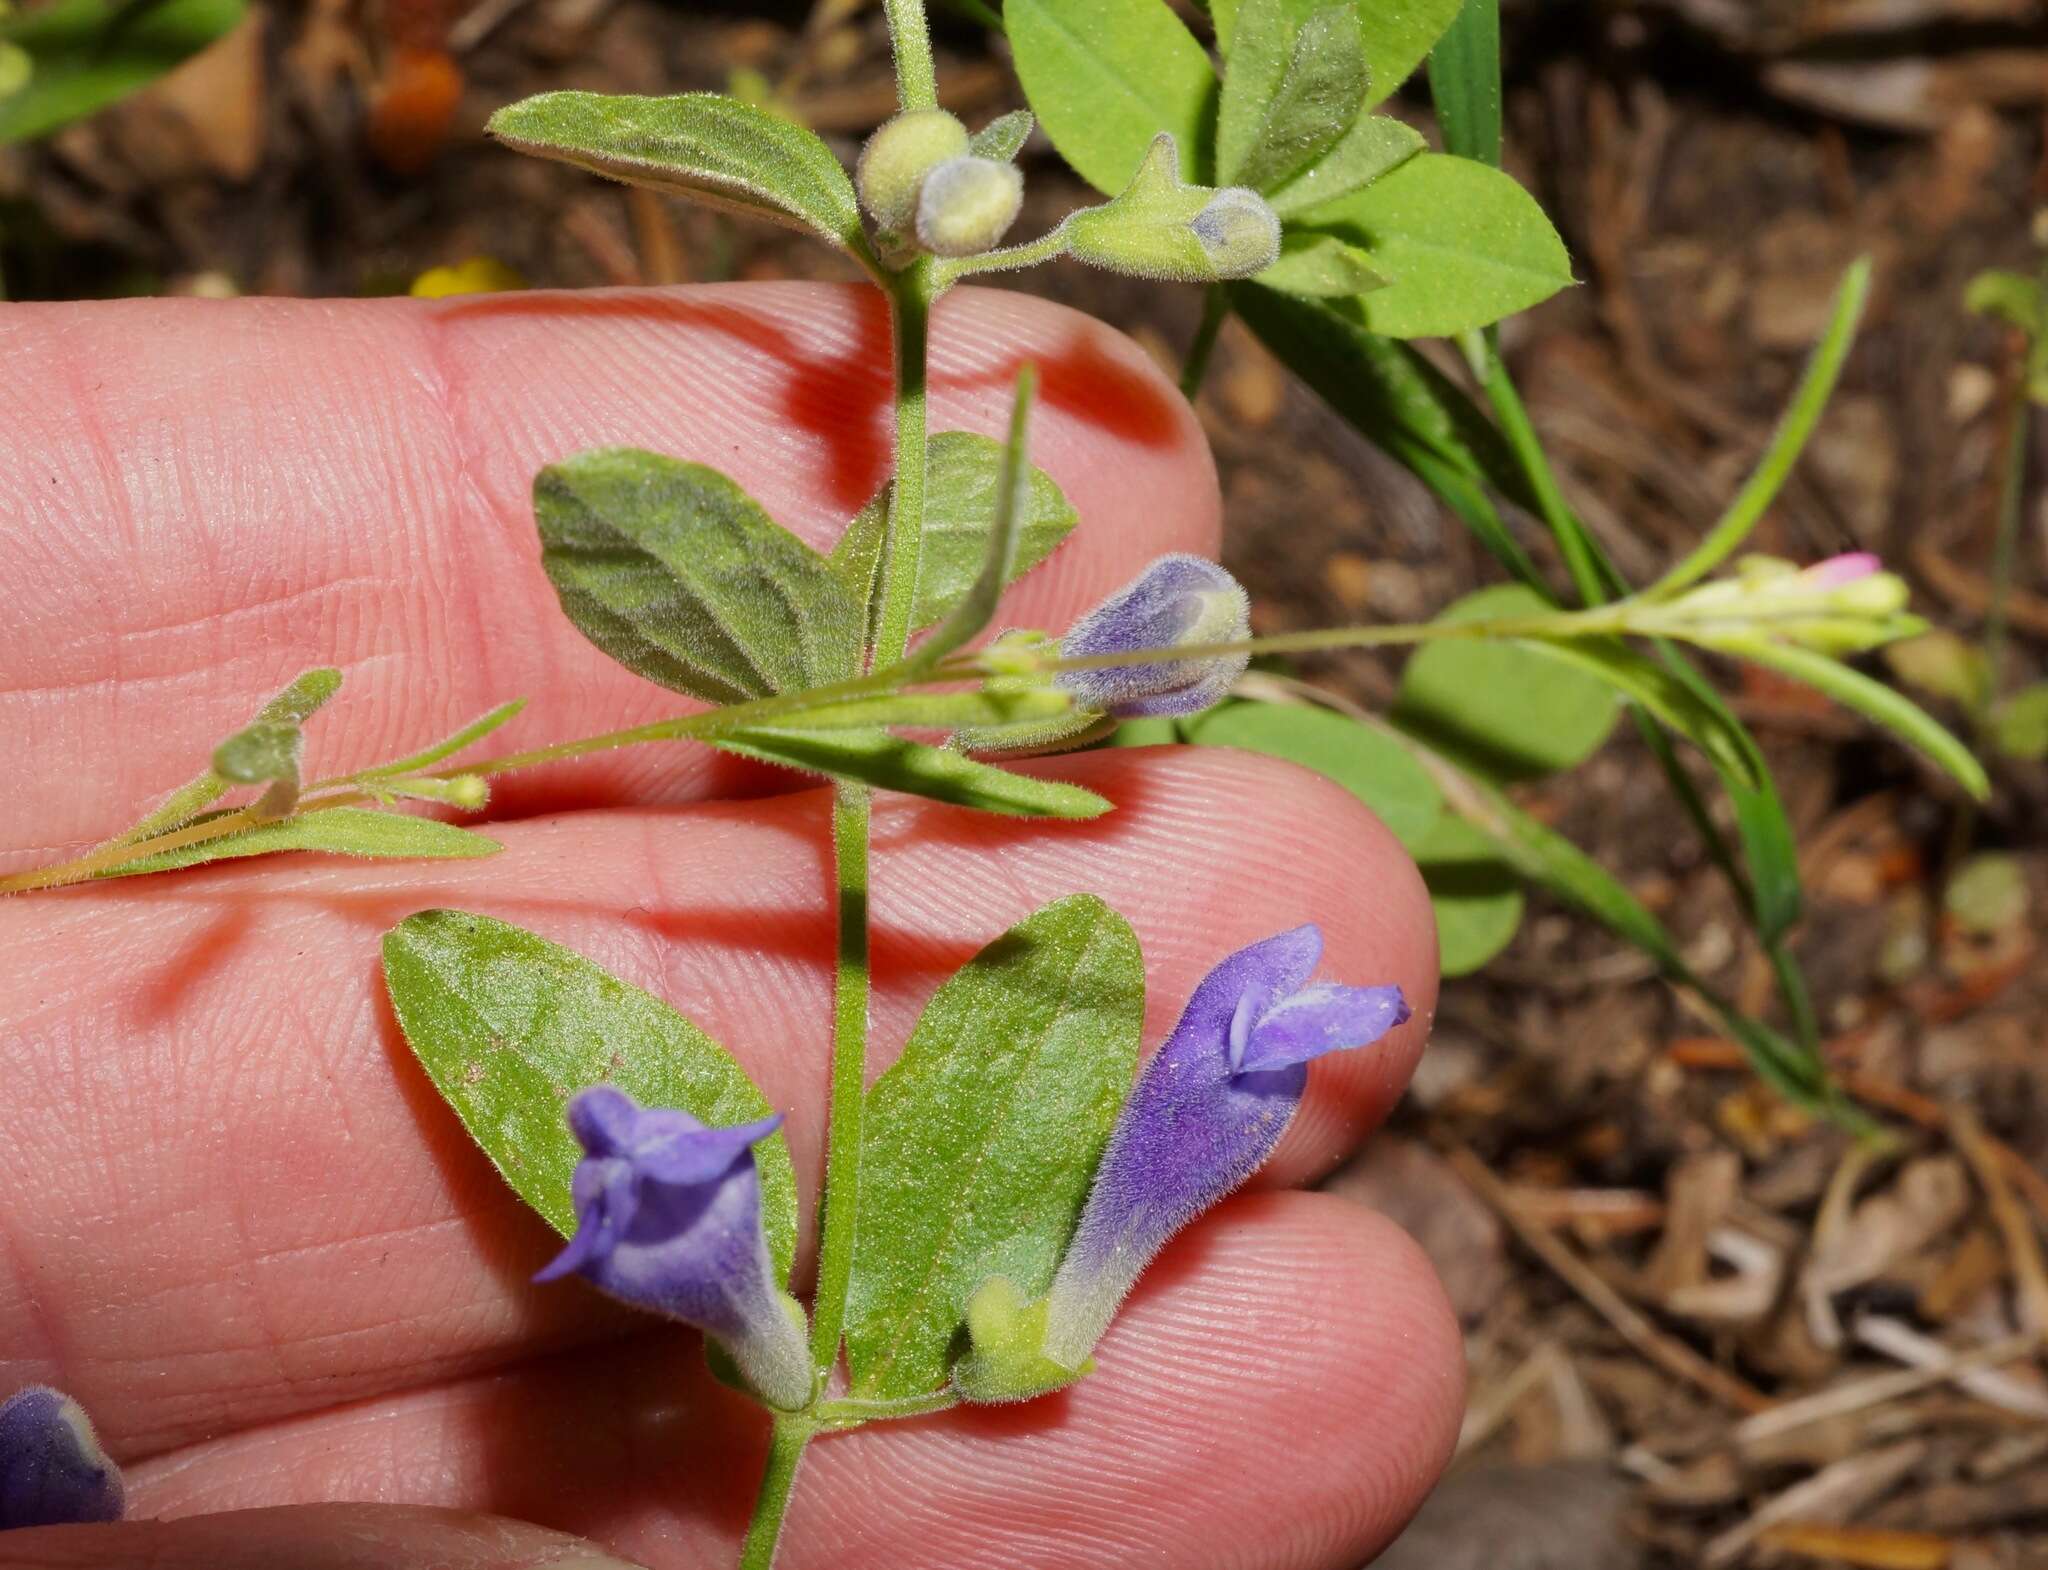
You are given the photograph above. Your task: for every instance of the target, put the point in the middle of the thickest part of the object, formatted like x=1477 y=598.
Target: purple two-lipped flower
x=1205 y=1113
x=668 y=1219
x=52 y=1469
x=1178 y=601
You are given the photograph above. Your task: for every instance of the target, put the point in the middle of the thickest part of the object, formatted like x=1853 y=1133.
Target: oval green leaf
x=1476 y=894
x=1464 y=245
x=83 y=55
x=1496 y=708
x=1376 y=769
x=509 y=1026
x=1297 y=77
x=680 y=576
x=1107 y=76
x=705 y=146
x=981 y=1141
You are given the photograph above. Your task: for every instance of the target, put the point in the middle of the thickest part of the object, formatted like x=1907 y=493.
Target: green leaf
x=981 y=1141
x=1475 y=893
x=1661 y=694
x=1107 y=76
x=704 y=146
x=1003 y=137
x=17 y=67
x=1464 y=80
x=86 y=54
x=1321 y=266
x=678 y=574
x=963 y=476
x=1494 y=707
x=1387 y=392
x=1874 y=701
x=1795 y=428
x=1464 y=244
x=469 y=735
x=1372 y=766
x=341 y=831
x=889 y=763
x=1944 y=665
x=2011 y=297
x=509 y=1026
x=2020 y=725
x=1396 y=36
x=936 y=710
x=1375 y=144
x=1297 y=77
x=1988 y=894
x=267 y=748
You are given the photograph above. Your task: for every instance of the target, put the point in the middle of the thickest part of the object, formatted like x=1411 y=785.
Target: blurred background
x=1703 y=1329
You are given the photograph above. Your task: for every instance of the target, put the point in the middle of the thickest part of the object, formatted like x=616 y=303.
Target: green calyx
x=1006 y=1360
x=1162 y=227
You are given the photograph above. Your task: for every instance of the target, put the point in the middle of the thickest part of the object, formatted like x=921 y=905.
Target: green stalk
x=910 y=310
x=785 y=1454
x=841 y=1200
x=917 y=85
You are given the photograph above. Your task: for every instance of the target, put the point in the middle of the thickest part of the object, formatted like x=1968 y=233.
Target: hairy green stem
x=841 y=1199
x=785 y=1454
x=1215 y=311
x=910 y=317
x=917 y=83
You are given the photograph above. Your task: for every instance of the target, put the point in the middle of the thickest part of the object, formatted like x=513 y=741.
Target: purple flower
x=668 y=1218
x=52 y=1470
x=1205 y=1113
x=1178 y=600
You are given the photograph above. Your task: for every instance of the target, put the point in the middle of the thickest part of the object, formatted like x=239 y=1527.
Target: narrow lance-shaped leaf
x=85 y=54
x=1873 y=700
x=679 y=575
x=981 y=1140
x=999 y=553
x=1464 y=81
x=1396 y=36
x=889 y=763
x=1387 y=392
x=339 y=831
x=963 y=478
x=705 y=146
x=1795 y=428
x=1003 y=137
x=447 y=747
x=509 y=1026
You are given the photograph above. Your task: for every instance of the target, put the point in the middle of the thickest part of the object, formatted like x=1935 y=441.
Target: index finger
x=210 y=497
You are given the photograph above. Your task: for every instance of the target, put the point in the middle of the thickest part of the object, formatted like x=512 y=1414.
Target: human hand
x=241 y=1228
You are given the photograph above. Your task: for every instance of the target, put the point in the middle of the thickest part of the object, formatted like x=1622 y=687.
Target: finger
x=314 y=1537
x=1279 y=1393
x=209 y=498
x=233 y=1195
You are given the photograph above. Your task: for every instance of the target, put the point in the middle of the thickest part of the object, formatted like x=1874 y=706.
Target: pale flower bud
x=967 y=205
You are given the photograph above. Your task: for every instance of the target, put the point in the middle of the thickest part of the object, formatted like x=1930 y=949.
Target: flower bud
x=1205 y=1113
x=1178 y=600
x=1842 y=605
x=967 y=205
x=896 y=159
x=52 y=1470
x=668 y=1218
x=1161 y=227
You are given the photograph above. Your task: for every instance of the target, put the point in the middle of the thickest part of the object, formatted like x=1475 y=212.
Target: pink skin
x=236 y=1222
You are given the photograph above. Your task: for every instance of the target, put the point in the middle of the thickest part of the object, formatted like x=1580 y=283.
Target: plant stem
x=910 y=316
x=841 y=1200
x=2012 y=483
x=1215 y=311
x=917 y=84
x=785 y=1454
